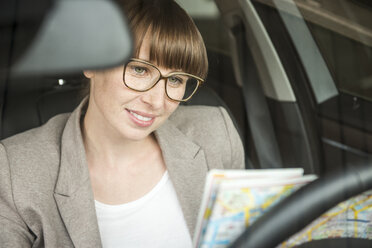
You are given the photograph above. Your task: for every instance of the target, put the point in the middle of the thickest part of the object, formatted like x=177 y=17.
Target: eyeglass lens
x=141 y=76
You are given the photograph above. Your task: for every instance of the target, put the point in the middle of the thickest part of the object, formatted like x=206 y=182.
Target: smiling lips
x=141 y=119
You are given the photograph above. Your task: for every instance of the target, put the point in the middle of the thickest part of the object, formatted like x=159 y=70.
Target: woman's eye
x=175 y=80
x=136 y=70
x=139 y=70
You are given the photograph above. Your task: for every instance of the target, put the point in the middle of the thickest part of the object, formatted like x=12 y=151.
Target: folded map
x=234 y=199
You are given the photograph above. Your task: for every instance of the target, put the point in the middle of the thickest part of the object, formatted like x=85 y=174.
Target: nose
x=155 y=96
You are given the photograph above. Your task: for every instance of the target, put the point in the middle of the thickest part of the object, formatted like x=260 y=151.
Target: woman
x=127 y=167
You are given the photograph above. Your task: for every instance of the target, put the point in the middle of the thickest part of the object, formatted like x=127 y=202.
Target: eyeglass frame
x=200 y=81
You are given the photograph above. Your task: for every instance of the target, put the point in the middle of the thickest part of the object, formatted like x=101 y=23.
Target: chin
x=136 y=135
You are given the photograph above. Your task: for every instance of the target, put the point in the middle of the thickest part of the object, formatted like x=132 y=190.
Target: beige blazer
x=46 y=199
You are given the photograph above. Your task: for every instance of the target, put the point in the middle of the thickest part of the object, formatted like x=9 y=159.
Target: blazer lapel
x=73 y=192
x=187 y=168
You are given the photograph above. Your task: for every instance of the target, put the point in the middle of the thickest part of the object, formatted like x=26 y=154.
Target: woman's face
x=131 y=115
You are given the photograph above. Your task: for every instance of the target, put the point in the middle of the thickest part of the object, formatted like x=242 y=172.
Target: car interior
x=294 y=76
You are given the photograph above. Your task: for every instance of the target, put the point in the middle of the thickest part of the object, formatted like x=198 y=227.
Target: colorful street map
x=234 y=200
x=351 y=218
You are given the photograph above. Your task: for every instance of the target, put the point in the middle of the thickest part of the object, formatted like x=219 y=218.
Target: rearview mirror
x=76 y=35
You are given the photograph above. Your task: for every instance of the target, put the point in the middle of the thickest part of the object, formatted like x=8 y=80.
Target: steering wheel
x=302 y=207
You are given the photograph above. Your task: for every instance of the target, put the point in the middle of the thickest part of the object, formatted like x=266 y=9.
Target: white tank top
x=154 y=220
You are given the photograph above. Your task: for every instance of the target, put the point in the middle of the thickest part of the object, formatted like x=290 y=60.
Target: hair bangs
x=176 y=51
x=175 y=42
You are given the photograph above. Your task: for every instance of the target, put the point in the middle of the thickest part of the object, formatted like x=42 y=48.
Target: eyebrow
x=157 y=66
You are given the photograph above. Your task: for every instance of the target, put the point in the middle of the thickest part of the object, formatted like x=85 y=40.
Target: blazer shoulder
x=34 y=155
x=29 y=164
x=196 y=116
x=193 y=120
x=50 y=132
x=213 y=130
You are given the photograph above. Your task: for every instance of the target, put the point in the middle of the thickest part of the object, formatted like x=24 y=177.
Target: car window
x=343 y=32
x=341 y=35
x=344 y=37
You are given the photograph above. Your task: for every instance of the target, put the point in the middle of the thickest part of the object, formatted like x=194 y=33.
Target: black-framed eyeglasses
x=141 y=76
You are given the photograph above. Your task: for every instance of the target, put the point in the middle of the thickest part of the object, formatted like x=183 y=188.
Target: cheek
x=104 y=94
x=106 y=81
x=171 y=106
x=110 y=87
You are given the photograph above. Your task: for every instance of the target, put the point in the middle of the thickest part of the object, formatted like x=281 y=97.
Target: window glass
x=343 y=32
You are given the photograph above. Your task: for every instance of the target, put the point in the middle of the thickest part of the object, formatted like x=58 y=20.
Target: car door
x=305 y=72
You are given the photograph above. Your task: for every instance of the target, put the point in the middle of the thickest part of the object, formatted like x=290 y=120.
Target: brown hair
x=175 y=40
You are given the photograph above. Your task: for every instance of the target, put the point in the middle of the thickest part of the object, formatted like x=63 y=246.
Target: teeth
x=140 y=117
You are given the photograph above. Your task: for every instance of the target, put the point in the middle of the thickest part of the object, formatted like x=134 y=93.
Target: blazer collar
x=185 y=162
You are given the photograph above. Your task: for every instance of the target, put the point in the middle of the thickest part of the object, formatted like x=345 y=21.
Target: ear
x=89 y=74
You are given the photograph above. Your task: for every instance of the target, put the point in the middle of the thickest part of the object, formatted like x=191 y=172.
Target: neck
x=106 y=147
